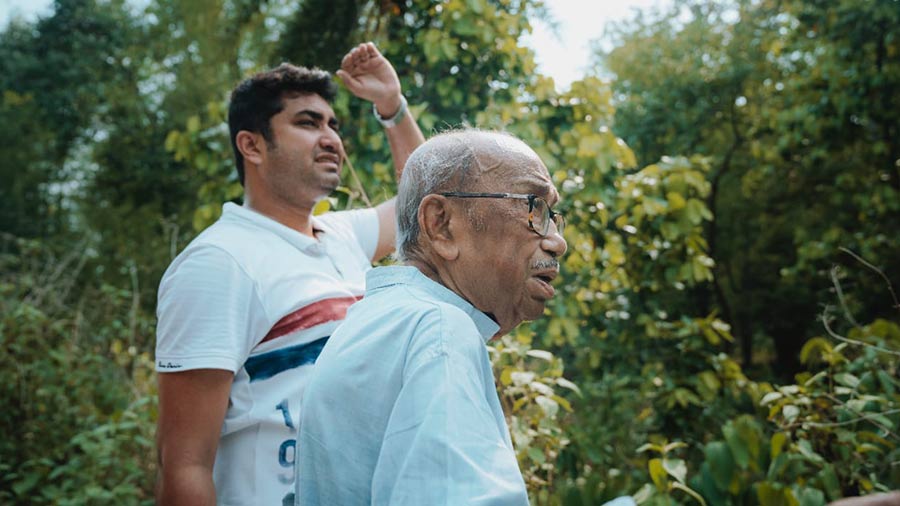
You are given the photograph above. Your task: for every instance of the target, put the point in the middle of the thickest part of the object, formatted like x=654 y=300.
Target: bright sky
x=563 y=55
x=27 y=8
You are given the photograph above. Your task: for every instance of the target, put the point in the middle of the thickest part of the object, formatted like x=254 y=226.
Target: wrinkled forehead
x=495 y=151
x=508 y=164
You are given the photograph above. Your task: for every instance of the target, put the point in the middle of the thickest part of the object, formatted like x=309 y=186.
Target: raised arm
x=370 y=76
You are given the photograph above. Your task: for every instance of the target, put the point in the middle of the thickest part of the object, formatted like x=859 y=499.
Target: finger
x=360 y=54
x=351 y=59
x=349 y=81
x=347 y=60
x=371 y=50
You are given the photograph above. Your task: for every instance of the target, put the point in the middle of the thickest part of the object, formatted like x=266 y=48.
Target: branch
x=359 y=184
x=855 y=420
x=869 y=417
x=853 y=341
x=840 y=293
x=878 y=271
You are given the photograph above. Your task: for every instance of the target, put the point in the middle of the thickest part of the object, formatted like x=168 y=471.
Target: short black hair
x=256 y=99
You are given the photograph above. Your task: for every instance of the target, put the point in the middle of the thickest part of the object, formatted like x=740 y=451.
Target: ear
x=251 y=145
x=435 y=219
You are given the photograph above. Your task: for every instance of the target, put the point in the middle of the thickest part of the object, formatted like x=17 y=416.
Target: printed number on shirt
x=288 y=449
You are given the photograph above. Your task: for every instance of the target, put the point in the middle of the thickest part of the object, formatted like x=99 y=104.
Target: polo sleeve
x=209 y=313
x=442 y=445
x=361 y=224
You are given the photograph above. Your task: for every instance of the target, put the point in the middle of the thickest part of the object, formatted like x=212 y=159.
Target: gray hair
x=444 y=163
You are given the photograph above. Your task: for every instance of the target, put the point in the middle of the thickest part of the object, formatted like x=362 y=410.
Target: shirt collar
x=301 y=241
x=382 y=277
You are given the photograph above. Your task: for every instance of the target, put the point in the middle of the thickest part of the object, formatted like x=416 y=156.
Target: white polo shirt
x=255 y=297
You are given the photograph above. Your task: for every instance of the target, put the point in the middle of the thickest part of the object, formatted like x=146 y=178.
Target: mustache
x=546 y=264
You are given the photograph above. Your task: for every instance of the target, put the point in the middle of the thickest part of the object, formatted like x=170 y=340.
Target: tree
x=757 y=95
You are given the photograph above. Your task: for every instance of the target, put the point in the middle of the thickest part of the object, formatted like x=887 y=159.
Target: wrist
x=397 y=113
x=388 y=108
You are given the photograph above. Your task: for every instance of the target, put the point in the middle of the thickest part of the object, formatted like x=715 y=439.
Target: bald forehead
x=495 y=150
x=495 y=153
x=508 y=164
x=476 y=160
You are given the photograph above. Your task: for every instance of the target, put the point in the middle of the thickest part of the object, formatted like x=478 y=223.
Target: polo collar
x=382 y=277
x=302 y=242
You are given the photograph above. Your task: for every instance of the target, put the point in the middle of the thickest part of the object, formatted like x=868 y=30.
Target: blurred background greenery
x=726 y=331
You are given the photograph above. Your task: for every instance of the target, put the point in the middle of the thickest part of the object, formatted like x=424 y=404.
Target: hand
x=370 y=76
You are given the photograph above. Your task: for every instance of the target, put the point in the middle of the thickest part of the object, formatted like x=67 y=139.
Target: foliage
x=529 y=382
x=795 y=106
x=830 y=435
x=709 y=184
x=80 y=397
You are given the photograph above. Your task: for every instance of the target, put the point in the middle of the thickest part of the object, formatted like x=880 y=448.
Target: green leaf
x=770 y=397
x=738 y=447
x=721 y=463
x=649 y=447
x=805 y=448
x=676 y=201
x=658 y=474
x=563 y=382
x=550 y=406
x=690 y=492
x=674 y=445
x=506 y=376
x=172 y=140
x=710 y=381
x=562 y=402
x=847 y=379
x=810 y=497
x=696 y=211
x=790 y=412
x=887 y=383
x=541 y=354
x=536 y=455
x=814 y=348
x=676 y=468
x=21 y=488
x=777 y=467
x=321 y=207
x=775 y=494
x=520 y=378
x=193 y=124
x=830 y=482
x=776 y=444
x=476 y=6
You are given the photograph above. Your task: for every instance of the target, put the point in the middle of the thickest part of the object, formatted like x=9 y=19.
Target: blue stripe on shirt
x=269 y=364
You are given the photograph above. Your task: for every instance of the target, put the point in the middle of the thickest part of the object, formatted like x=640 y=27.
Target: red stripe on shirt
x=317 y=313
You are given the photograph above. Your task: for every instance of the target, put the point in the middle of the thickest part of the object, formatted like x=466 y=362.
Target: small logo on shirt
x=168 y=365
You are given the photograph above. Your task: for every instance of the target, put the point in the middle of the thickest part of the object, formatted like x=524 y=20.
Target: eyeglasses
x=539 y=213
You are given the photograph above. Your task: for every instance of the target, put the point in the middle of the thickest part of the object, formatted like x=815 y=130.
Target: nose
x=554 y=243
x=331 y=141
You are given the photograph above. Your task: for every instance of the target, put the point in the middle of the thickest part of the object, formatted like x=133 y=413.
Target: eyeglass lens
x=540 y=215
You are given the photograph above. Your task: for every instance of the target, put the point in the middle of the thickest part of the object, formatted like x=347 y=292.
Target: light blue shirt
x=402 y=407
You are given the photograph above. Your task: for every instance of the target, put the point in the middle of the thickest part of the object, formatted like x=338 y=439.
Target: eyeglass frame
x=530 y=197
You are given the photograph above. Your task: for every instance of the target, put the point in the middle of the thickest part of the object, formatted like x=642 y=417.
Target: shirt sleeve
x=443 y=445
x=362 y=224
x=209 y=313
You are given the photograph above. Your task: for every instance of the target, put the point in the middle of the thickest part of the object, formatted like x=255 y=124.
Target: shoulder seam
x=240 y=266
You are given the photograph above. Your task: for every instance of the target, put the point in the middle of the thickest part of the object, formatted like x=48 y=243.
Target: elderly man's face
x=505 y=267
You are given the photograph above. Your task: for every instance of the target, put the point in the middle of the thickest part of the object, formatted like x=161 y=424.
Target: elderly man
x=402 y=408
